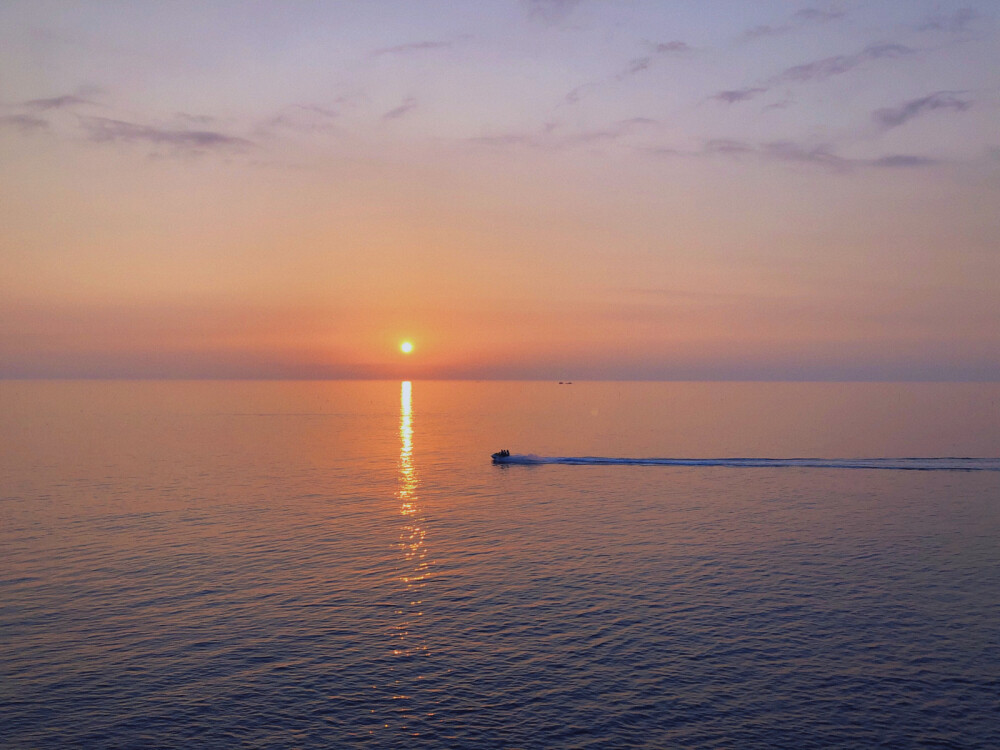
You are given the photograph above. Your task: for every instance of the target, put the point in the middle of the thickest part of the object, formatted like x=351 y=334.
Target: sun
x=406 y=347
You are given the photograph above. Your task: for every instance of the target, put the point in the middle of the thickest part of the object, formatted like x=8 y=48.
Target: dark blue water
x=337 y=565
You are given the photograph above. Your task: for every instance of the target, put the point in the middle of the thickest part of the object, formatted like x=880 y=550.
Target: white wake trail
x=898 y=464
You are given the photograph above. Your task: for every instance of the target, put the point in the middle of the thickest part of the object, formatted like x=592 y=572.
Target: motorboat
x=501 y=457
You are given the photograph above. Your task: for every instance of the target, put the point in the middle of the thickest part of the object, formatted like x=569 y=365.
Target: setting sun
x=406 y=347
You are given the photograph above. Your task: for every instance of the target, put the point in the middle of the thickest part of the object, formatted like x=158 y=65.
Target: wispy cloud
x=893 y=117
x=635 y=66
x=904 y=161
x=402 y=49
x=397 y=112
x=738 y=95
x=828 y=67
x=578 y=93
x=506 y=139
x=764 y=30
x=24 y=123
x=956 y=22
x=797 y=20
x=786 y=151
x=613 y=132
x=817 y=15
x=197 y=119
x=56 y=102
x=818 y=70
x=303 y=118
x=105 y=130
x=553 y=136
x=819 y=155
x=783 y=104
x=727 y=146
x=676 y=47
x=672 y=48
x=550 y=11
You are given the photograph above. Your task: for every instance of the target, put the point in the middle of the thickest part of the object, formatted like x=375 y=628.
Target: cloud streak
x=302 y=118
x=820 y=70
x=817 y=15
x=904 y=161
x=105 y=130
x=550 y=11
x=954 y=23
x=551 y=138
x=578 y=93
x=24 y=123
x=893 y=117
x=56 y=102
x=738 y=95
x=817 y=70
x=765 y=30
x=402 y=49
x=676 y=47
x=790 y=152
x=798 y=19
x=402 y=109
x=635 y=66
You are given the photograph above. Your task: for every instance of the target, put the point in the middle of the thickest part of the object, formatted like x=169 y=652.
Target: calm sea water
x=299 y=565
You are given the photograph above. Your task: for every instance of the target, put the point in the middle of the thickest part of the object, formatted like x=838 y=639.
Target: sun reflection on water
x=414 y=573
x=416 y=566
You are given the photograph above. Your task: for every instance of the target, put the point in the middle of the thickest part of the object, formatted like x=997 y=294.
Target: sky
x=536 y=189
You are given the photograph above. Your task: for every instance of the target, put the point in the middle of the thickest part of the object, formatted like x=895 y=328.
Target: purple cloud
x=401 y=110
x=56 y=102
x=821 y=155
x=904 y=161
x=955 y=23
x=197 y=119
x=550 y=11
x=635 y=66
x=893 y=117
x=104 y=130
x=738 y=95
x=675 y=47
x=783 y=104
x=576 y=94
x=758 y=32
x=24 y=123
x=728 y=147
x=797 y=20
x=400 y=49
x=817 y=15
x=553 y=136
x=508 y=139
x=305 y=118
x=831 y=66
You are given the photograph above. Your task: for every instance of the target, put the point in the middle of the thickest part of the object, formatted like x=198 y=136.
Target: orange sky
x=531 y=190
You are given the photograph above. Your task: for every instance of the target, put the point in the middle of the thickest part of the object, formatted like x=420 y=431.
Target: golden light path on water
x=413 y=533
x=416 y=566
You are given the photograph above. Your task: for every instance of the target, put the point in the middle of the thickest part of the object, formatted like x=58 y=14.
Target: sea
x=340 y=564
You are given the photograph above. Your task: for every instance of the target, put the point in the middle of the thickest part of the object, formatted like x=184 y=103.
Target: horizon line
x=565 y=381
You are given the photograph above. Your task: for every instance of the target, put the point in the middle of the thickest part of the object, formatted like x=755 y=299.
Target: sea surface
x=339 y=564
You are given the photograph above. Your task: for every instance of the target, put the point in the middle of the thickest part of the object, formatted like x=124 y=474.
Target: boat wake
x=898 y=464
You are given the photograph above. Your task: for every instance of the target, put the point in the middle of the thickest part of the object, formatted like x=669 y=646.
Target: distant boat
x=501 y=457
